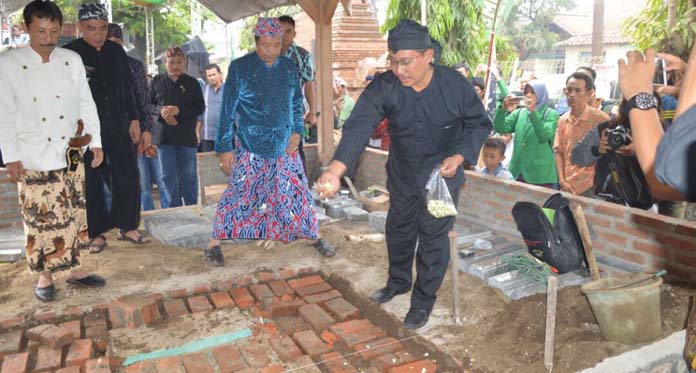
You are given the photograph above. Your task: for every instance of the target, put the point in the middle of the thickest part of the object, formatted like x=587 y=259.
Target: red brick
x=329 y=338
x=221 y=299
x=99 y=335
x=605 y=208
x=290 y=324
x=335 y=363
x=199 y=303
x=132 y=311
x=171 y=364
x=75 y=327
x=305 y=281
x=258 y=312
x=147 y=366
x=229 y=359
x=316 y=317
x=285 y=274
x=629 y=255
x=247 y=370
x=597 y=220
x=242 y=281
x=420 y=366
x=101 y=365
x=73 y=369
x=265 y=276
x=311 y=344
x=255 y=356
x=16 y=363
x=48 y=359
x=197 y=363
x=677 y=270
x=285 y=348
x=175 y=307
x=341 y=309
x=652 y=249
x=261 y=292
x=224 y=285
x=362 y=336
x=11 y=323
x=384 y=362
x=281 y=288
x=351 y=326
x=686 y=260
x=242 y=298
x=178 y=293
x=304 y=364
x=33 y=347
x=284 y=308
x=405 y=356
x=322 y=297
x=371 y=350
x=631 y=231
x=687 y=229
x=50 y=335
x=304 y=271
x=653 y=221
x=272 y=369
x=608 y=236
x=202 y=289
x=313 y=289
x=80 y=351
x=11 y=343
x=101 y=307
x=676 y=241
x=44 y=316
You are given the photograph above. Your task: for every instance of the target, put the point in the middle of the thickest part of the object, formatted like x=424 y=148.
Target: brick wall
x=624 y=235
x=9 y=202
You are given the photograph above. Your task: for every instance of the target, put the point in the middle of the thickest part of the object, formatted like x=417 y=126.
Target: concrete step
x=12 y=244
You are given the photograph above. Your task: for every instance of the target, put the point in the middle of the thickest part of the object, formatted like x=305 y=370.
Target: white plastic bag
x=440 y=204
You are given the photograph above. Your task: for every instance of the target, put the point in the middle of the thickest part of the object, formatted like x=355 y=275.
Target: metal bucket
x=629 y=314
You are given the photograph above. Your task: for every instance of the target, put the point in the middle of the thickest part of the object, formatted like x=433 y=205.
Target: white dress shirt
x=40 y=104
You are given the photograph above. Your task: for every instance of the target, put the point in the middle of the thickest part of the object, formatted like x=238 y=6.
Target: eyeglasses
x=404 y=62
x=569 y=90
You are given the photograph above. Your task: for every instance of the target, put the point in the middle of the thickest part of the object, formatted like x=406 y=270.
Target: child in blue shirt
x=493 y=156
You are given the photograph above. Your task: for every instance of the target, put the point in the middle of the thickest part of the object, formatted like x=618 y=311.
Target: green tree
x=649 y=29
x=246 y=34
x=457 y=24
x=528 y=25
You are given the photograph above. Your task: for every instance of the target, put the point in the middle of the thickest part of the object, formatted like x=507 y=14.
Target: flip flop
x=95 y=248
x=139 y=241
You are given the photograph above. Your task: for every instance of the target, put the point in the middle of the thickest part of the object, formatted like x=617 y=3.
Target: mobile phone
x=660 y=77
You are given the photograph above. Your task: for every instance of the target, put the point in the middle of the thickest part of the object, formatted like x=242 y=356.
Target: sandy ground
x=496 y=335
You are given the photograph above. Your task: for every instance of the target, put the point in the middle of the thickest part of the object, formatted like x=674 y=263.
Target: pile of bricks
x=305 y=323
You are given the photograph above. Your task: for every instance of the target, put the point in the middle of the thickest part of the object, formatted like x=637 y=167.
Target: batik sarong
x=266 y=198
x=53 y=211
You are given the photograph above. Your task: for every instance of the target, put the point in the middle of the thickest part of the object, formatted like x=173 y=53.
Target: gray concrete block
x=378 y=220
x=488 y=268
x=12 y=245
x=322 y=218
x=353 y=213
x=509 y=280
x=525 y=291
x=320 y=209
x=336 y=208
x=465 y=263
x=572 y=279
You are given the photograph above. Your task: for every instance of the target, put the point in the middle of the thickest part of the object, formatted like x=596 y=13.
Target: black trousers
x=409 y=224
x=119 y=172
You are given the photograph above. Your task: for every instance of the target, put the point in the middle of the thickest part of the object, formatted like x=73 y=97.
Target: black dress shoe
x=324 y=247
x=415 y=318
x=90 y=281
x=214 y=256
x=386 y=294
x=45 y=294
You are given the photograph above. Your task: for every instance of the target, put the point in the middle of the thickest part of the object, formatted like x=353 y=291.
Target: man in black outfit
x=112 y=88
x=436 y=121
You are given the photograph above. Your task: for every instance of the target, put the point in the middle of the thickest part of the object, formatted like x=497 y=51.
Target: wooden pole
x=491 y=43
x=551 y=300
x=454 y=271
x=597 y=30
x=586 y=242
x=324 y=53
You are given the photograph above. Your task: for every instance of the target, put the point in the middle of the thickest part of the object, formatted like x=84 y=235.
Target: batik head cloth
x=268 y=27
x=92 y=11
x=115 y=31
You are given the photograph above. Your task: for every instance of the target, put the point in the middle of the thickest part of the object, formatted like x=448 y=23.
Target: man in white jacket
x=45 y=95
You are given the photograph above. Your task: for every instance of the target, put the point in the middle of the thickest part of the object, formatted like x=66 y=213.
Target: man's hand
x=293 y=144
x=673 y=63
x=134 y=131
x=226 y=162
x=98 y=157
x=311 y=119
x=450 y=165
x=510 y=103
x=328 y=184
x=636 y=74
x=145 y=142
x=151 y=151
x=566 y=187
x=169 y=113
x=604 y=142
x=628 y=150
x=15 y=171
x=199 y=125
x=531 y=104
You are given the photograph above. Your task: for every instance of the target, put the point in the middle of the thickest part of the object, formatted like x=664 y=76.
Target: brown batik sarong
x=53 y=210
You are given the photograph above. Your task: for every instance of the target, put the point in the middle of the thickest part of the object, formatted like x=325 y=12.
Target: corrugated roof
x=613 y=36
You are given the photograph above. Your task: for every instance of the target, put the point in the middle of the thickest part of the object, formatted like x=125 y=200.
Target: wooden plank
x=327 y=11
x=454 y=272
x=311 y=7
x=551 y=300
x=325 y=87
x=586 y=242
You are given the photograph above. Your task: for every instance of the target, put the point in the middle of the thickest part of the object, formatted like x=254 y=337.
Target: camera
x=618 y=137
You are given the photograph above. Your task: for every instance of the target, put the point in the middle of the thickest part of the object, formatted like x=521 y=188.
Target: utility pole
x=597 y=31
x=424 y=12
x=149 y=42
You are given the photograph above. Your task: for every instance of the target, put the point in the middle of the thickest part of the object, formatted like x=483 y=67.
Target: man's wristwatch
x=642 y=101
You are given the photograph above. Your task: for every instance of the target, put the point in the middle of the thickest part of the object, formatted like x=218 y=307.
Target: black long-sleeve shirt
x=112 y=88
x=186 y=94
x=444 y=119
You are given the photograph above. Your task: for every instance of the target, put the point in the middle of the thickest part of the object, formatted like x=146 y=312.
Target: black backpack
x=619 y=179
x=558 y=244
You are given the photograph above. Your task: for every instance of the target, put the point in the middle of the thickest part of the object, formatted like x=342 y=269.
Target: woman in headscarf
x=534 y=125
